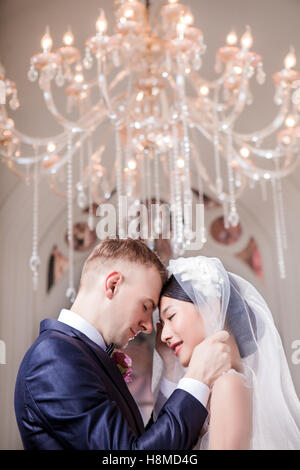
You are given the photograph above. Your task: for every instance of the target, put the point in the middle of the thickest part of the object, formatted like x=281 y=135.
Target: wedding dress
x=226 y=300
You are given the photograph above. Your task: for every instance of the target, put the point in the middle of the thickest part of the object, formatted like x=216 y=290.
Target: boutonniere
x=124 y=363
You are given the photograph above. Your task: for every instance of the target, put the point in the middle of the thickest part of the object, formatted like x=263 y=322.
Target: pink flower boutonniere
x=124 y=363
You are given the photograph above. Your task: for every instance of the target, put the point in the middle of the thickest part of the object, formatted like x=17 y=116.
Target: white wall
x=275 y=25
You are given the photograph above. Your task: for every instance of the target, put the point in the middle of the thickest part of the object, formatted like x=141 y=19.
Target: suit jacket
x=70 y=394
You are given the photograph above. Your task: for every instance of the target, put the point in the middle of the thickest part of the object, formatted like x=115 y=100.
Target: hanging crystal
x=32 y=74
x=225 y=214
x=2 y=92
x=233 y=217
x=60 y=79
x=71 y=292
x=172 y=197
x=278 y=233
x=201 y=201
x=260 y=74
x=219 y=182
x=187 y=193
x=178 y=241
x=91 y=223
x=149 y=196
x=34 y=262
x=81 y=196
x=119 y=169
x=88 y=59
x=282 y=220
x=157 y=221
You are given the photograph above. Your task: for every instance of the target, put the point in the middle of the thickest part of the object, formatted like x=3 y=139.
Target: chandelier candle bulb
x=247 y=39
x=46 y=42
x=68 y=38
x=290 y=59
x=232 y=38
x=101 y=23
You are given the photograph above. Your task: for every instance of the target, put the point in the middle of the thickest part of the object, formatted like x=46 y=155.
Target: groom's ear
x=112 y=282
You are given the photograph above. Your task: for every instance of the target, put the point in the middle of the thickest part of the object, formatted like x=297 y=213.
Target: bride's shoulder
x=232 y=382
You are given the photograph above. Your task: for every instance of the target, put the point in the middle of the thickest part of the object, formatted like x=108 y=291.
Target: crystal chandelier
x=144 y=81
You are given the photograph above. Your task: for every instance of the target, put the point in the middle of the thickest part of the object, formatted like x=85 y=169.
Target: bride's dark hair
x=240 y=320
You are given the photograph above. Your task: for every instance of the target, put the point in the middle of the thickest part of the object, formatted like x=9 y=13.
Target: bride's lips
x=177 y=347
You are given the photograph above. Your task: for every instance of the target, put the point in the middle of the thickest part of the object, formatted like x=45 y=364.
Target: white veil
x=228 y=301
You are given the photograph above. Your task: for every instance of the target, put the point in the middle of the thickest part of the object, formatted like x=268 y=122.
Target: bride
x=252 y=406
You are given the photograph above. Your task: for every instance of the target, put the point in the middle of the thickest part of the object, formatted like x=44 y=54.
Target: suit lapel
x=107 y=363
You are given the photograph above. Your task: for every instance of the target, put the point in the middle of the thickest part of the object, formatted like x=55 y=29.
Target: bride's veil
x=226 y=300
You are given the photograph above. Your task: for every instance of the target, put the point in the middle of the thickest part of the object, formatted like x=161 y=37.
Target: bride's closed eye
x=170 y=318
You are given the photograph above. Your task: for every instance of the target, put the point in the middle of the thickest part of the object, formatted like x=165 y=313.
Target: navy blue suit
x=71 y=395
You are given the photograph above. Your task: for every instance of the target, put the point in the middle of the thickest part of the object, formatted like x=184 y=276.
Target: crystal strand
x=81 y=161
x=172 y=199
x=149 y=194
x=143 y=186
x=282 y=215
x=81 y=198
x=233 y=217
x=187 y=194
x=91 y=208
x=157 y=222
x=281 y=208
x=119 y=162
x=149 y=198
x=225 y=214
x=128 y=154
x=71 y=293
x=2 y=92
x=279 y=245
x=201 y=201
x=34 y=262
x=219 y=182
x=178 y=244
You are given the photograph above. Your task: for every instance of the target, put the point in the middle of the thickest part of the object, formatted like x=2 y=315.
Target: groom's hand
x=210 y=359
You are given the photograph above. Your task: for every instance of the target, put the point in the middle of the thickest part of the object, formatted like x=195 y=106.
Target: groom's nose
x=146 y=326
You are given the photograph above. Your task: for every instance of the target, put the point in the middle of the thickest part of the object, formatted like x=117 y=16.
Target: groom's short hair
x=128 y=249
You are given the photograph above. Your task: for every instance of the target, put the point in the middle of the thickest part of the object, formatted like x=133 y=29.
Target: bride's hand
x=166 y=354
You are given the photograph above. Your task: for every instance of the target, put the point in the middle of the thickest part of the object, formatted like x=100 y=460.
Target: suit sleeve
x=69 y=398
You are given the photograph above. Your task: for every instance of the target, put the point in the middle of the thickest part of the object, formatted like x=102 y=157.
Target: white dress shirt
x=192 y=386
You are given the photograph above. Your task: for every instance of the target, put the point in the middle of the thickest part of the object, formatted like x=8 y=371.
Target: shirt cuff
x=167 y=387
x=198 y=389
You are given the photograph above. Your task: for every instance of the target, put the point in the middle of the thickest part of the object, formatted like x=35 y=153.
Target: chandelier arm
x=266 y=153
x=270 y=128
x=260 y=172
x=74 y=126
x=61 y=138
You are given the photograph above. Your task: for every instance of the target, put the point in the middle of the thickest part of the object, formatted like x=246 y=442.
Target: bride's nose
x=166 y=334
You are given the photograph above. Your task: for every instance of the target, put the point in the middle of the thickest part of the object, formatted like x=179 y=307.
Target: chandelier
x=144 y=81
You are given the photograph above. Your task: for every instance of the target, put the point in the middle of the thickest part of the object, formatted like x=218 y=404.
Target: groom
x=70 y=393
